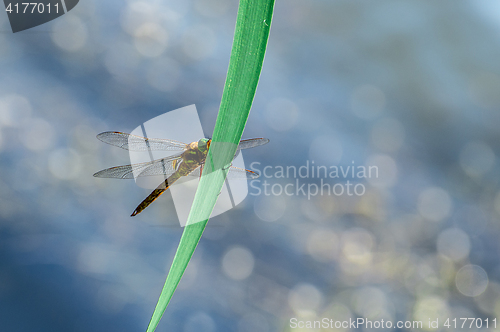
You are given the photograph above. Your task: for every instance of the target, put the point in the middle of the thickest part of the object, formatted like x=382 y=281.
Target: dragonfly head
x=204 y=144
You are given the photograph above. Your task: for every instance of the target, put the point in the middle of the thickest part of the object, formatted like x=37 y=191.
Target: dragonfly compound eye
x=203 y=144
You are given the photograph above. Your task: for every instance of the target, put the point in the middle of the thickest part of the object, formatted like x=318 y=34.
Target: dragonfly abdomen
x=156 y=193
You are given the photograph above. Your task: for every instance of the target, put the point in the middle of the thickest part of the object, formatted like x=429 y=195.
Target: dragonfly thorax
x=194 y=155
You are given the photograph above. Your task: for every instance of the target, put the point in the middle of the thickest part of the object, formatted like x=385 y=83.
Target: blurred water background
x=412 y=87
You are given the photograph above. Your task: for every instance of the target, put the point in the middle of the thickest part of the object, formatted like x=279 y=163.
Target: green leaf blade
x=247 y=56
x=189 y=240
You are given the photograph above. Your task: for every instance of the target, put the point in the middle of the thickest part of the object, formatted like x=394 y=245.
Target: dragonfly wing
x=138 y=143
x=164 y=166
x=233 y=173
x=252 y=142
x=241 y=173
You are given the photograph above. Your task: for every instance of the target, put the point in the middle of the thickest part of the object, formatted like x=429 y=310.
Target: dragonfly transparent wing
x=164 y=166
x=250 y=143
x=241 y=173
x=234 y=173
x=138 y=143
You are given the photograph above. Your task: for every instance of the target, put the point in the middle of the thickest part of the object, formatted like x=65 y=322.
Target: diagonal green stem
x=247 y=56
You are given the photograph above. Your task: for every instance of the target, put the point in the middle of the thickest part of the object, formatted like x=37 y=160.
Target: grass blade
x=247 y=56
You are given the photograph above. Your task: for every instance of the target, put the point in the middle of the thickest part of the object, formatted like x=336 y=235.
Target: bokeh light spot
x=357 y=245
x=305 y=297
x=269 y=208
x=238 y=263
x=322 y=245
x=64 y=164
x=430 y=308
x=14 y=109
x=453 y=243
x=150 y=39
x=384 y=171
x=471 y=280
x=434 y=204
x=69 y=33
x=37 y=134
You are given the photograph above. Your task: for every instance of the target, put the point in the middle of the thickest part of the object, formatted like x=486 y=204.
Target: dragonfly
x=189 y=161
